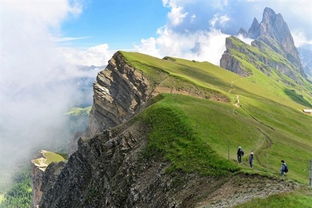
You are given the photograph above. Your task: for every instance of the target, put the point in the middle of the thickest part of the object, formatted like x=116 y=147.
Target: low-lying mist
x=37 y=85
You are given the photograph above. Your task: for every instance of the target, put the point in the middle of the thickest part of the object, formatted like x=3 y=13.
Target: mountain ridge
x=139 y=161
x=164 y=132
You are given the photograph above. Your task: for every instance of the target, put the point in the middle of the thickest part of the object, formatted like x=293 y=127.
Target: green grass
x=48 y=158
x=219 y=127
x=269 y=122
x=78 y=111
x=209 y=76
x=297 y=97
x=172 y=135
x=290 y=200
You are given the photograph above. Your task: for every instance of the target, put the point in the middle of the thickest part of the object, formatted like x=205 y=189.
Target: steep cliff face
x=271 y=36
x=119 y=92
x=230 y=62
x=254 y=30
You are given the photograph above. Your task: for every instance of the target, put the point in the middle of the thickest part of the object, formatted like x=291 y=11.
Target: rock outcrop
x=119 y=92
x=254 y=30
x=228 y=60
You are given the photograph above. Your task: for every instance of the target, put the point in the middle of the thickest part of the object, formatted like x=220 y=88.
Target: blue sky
x=121 y=23
x=154 y=26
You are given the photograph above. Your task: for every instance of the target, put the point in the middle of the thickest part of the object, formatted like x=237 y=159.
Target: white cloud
x=245 y=39
x=201 y=45
x=301 y=39
x=66 y=39
x=49 y=12
x=193 y=17
x=93 y=56
x=219 y=20
x=176 y=14
x=34 y=82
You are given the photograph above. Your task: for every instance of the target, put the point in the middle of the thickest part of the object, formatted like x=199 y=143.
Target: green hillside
x=259 y=116
x=290 y=200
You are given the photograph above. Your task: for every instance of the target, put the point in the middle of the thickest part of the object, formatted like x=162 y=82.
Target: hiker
x=240 y=154
x=284 y=168
x=251 y=158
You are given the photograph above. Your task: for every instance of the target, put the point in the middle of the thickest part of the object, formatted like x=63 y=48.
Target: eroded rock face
x=37 y=179
x=119 y=92
x=228 y=61
x=44 y=180
x=109 y=171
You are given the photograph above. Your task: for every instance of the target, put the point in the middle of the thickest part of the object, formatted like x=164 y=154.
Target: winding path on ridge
x=267 y=142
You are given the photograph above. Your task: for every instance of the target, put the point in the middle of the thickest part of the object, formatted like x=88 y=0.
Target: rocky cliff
x=119 y=92
x=272 y=38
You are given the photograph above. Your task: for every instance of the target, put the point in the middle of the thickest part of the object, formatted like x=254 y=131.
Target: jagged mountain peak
x=242 y=32
x=273 y=32
x=274 y=26
x=268 y=13
x=273 y=29
x=254 y=30
x=271 y=36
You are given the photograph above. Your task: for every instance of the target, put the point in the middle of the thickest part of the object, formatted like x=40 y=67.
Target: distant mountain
x=273 y=29
x=306 y=59
x=273 y=50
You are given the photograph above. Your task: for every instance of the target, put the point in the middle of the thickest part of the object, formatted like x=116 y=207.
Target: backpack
x=242 y=152
x=285 y=169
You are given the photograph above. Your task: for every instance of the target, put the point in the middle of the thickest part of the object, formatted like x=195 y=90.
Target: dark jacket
x=251 y=157
x=284 y=168
x=240 y=152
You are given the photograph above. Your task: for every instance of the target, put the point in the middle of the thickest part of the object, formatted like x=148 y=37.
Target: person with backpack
x=240 y=154
x=251 y=159
x=284 y=168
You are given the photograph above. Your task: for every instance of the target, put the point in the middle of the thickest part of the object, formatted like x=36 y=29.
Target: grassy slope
x=255 y=55
x=290 y=200
x=48 y=158
x=78 y=111
x=173 y=135
x=268 y=122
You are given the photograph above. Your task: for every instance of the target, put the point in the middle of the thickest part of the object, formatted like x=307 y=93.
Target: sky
x=193 y=29
x=44 y=45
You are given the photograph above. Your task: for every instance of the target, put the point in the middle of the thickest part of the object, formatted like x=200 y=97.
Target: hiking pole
x=310 y=173
x=228 y=151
